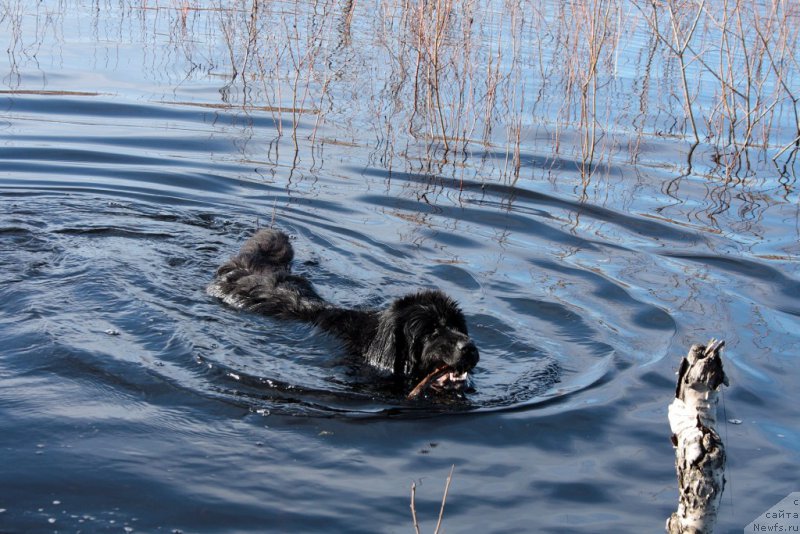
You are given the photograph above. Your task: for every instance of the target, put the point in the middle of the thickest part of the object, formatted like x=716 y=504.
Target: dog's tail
x=259 y=279
x=266 y=251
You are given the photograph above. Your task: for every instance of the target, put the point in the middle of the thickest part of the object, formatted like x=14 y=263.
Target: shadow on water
x=509 y=195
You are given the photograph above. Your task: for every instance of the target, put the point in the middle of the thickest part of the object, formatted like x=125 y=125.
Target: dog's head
x=425 y=335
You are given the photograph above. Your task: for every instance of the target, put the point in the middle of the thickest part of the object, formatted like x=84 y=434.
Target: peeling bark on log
x=699 y=452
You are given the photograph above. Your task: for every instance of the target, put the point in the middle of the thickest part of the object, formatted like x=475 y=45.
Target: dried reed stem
x=413 y=506
x=444 y=499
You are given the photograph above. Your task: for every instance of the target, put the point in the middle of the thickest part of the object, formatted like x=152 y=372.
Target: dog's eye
x=428 y=334
x=440 y=332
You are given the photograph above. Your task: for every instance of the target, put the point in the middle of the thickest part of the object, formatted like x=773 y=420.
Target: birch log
x=699 y=452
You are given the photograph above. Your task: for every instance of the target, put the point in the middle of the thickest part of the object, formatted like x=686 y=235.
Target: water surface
x=134 y=160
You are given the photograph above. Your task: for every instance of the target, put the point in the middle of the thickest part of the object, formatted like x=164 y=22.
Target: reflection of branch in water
x=788 y=176
x=670 y=187
x=644 y=100
x=14 y=14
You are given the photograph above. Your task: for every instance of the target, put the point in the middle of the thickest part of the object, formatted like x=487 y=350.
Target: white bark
x=699 y=454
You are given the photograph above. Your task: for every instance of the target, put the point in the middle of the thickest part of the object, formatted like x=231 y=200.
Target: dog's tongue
x=440 y=374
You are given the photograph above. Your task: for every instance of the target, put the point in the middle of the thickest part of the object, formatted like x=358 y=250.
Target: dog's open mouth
x=443 y=378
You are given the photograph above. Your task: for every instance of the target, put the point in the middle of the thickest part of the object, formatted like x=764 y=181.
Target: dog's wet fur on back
x=410 y=339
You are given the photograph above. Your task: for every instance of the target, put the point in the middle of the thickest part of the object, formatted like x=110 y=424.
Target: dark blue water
x=131 y=401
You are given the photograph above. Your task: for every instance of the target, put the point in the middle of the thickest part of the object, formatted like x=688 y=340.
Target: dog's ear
x=386 y=351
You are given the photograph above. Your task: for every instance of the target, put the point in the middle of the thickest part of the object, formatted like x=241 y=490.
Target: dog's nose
x=468 y=354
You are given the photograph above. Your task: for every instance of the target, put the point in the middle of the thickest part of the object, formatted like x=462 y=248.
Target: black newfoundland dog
x=420 y=339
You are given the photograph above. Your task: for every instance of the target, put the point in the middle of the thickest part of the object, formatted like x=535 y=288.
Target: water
x=133 y=164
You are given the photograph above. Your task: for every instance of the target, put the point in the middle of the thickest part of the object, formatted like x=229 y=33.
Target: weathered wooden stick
x=699 y=452
x=426 y=381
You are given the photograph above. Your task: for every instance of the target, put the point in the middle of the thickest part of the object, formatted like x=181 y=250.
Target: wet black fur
x=409 y=339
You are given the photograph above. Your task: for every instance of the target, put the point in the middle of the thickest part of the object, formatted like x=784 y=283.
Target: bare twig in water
x=439 y=70
x=441 y=509
x=413 y=509
x=444 y=499
x=681 y=39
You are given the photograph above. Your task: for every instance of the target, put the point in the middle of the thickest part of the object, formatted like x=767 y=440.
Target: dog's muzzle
x=467 y=356
x=451 y=377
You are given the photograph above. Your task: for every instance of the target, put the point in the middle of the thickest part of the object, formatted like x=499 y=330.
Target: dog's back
x=259 y=279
